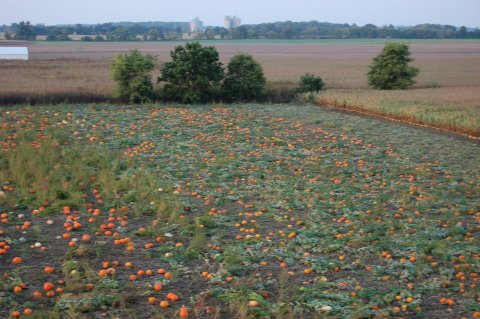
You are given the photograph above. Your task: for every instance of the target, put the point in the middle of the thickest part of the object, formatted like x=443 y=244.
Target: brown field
x=449 y=81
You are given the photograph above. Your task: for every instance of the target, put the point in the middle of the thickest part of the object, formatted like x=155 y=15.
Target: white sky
x=212 y=12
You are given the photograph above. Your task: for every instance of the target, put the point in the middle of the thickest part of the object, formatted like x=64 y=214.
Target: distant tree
x=287 y=32
x=98 y=37
x=40 y=29
x=240 y=32
x=310 y=83
x=132 y=72
x=25 y=31
x=120 y=34
x=194 y=74
x=390 y=69
x=86 y=38
x=244 y=80
x=59 y=34
x=154 y=35
x=210 y=33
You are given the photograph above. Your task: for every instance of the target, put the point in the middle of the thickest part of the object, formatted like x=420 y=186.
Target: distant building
x=13 y=53
x=196 y=25
x=232 y=22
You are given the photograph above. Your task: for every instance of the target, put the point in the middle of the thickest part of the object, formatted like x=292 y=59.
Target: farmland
x=446 y=95
x=245 y=211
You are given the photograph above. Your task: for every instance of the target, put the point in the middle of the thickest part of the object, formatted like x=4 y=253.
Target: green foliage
x=390 y=69
x=310 y=83
x=121 y=34
x=25 y=31
x=280 y=91
x=154 y=35
x=59 y=34
x=132 y=74
x=194 y=74
x=244 y=80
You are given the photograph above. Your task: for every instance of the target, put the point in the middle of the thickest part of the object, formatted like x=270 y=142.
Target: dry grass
x=453 y=108
x=54 y=80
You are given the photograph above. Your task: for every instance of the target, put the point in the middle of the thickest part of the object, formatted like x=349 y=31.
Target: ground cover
x=246 y=211
x=451 y=108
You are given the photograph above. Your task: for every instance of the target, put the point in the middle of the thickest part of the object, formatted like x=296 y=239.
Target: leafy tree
x=194 y=74
x=154 y=35
x=240 y=32
x=390 y=69
x=310 y=83
x=244 y=79
x=132 y=74
x=59 y=34
x=25 y=31
x=120 y=34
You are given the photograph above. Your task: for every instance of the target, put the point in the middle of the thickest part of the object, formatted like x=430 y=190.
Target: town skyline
x=212 y=12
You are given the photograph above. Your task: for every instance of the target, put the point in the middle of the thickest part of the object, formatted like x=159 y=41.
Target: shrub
x=132 y=73
x=390 y=69
x=194 y=75
x=310 y=83
x=280 y=92
x=244 y=80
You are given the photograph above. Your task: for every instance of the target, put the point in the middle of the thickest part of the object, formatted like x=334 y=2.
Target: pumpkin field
x=238 y=211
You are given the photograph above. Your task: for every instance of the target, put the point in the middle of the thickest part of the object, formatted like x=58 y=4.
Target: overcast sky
x=212 y=12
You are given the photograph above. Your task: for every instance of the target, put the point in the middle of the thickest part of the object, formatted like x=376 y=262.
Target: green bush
x=132 y=74
x=390 y=69
x=244 y=80
x=310 y=83
x=194 y=75
x=280 y=92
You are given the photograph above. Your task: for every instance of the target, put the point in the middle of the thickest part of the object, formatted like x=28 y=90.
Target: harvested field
x=342 y=64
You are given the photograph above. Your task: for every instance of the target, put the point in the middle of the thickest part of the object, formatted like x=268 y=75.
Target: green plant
x=310 y=83
x=25 y=31
x=390 y=69
x=244 y=80
x=193 y=75
x=132 y=74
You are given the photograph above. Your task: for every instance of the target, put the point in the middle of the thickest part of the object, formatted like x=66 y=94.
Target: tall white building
x=196 y=25
x=232 y=22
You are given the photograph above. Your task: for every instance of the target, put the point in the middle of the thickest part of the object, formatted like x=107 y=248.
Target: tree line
x=196 y=75
x=158 y=31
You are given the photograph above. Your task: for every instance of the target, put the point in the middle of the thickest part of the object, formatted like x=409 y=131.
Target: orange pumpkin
x=183 y=313
x=49 y=269
x=27 y=311
x=47 y=286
